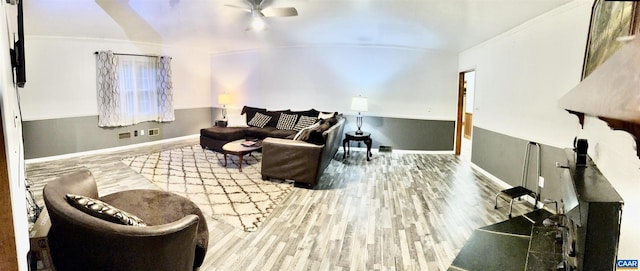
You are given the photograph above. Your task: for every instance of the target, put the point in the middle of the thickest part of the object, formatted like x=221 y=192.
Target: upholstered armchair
x=175 y=236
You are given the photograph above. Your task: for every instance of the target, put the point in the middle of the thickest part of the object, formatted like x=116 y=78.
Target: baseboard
x=493 y=178
x=503 y=185
x=375 y=150
x=107 y=150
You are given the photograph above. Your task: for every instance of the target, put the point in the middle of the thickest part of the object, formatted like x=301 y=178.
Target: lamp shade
x=359 y=104
x=224 y=99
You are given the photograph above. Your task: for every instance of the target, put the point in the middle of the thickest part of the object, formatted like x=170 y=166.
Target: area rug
x=241 y=199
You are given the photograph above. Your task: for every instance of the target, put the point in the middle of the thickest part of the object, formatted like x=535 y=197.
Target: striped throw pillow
x=304 y=122
x=286 y=121
x=102 y=210
x=259 y=120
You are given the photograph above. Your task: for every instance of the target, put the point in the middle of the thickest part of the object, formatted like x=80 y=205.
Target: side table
x=352 y=136
x=221 y=123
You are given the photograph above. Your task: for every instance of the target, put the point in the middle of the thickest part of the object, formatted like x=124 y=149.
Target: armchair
x=176 y=238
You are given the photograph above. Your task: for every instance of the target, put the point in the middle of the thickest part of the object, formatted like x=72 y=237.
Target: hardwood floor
x=396 y=212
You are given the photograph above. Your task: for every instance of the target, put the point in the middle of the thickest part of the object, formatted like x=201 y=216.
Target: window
x=133 y=89
x=138 y=88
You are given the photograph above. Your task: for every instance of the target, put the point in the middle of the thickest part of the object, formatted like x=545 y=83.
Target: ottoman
x=214 y=138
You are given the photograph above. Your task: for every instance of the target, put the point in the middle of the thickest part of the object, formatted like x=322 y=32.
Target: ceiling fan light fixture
x=257 y=23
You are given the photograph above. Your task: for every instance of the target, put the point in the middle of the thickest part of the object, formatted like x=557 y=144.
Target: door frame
x=460 y=110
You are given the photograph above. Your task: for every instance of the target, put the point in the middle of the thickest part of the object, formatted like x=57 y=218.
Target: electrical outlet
x=154 y=132
x=135 y=132
x=124 y=135
x=541 y=181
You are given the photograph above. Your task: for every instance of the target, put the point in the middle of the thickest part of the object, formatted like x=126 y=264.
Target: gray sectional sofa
x=297 y=145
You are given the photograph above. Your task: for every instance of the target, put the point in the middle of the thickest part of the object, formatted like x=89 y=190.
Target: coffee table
x=236 y=148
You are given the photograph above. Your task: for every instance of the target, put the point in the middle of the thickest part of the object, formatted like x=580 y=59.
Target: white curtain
x=138 y=89
x=134 y=89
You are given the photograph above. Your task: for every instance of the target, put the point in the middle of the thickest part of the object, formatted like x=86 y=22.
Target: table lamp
x=224 y=99
x=359 y=104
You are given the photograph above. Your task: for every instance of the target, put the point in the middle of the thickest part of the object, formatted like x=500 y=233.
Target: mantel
x=629 y=127
x=611 y=92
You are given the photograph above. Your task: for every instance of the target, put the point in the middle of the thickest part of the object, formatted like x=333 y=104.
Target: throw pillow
x=251 y=112
x=102 y=210
x=303 y=134
x=326 y=115
x=259 y=120
x=286 y=121
x=303 y=122
x=316 y=136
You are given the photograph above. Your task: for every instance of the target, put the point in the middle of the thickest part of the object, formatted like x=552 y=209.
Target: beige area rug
x=241 y=199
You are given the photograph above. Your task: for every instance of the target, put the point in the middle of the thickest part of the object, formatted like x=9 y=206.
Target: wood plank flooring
x=396 y=212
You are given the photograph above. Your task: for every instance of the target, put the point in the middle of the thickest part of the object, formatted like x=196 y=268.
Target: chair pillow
x=259 y=120
x=104 y=211
x=303 y=122
x=286 y=121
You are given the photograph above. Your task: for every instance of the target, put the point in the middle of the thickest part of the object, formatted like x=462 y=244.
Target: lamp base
x=359 y=124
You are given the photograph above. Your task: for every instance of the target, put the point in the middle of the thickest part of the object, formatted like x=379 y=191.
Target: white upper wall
x=521 y=74
x=520 y=77
x=61 y=75
x=399 y=82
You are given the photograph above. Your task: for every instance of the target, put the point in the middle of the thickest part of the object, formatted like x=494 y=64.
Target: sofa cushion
x=309 y=113
x=104 y=211
x=281 y=133
x=259 y=120
x=286 y=121
x=303 y=134
x=304 y=121
x=331 y=121
x=275 y=117
x=223 y=133
x=251 y=111
x=255 y=132
x=326 y=115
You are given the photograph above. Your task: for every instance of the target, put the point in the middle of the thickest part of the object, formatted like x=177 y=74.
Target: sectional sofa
x=297 y=145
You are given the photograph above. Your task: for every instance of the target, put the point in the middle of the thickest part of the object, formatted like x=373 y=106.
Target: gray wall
x=51 y=137
x=407 y=134
x=503 y=157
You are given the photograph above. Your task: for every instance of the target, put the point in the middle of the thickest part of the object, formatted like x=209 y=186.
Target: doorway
x=464 y=127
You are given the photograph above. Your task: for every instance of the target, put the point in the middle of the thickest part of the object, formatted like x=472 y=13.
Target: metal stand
x=522 y=190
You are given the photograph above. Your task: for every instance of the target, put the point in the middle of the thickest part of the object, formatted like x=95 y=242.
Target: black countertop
x=520 y=243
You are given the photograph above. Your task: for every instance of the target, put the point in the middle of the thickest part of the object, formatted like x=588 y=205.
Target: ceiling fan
x=258 y=12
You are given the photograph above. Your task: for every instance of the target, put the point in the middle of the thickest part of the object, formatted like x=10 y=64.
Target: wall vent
x=154 y=132
x=124 y=135
x=385 y=149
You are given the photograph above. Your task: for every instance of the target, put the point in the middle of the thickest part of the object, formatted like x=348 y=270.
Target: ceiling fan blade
x=279 y=12
x=239 y=7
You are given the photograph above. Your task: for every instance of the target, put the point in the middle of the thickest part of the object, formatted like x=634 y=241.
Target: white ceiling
x=452 y=25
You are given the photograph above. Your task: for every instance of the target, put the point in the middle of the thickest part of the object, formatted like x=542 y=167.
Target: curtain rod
x=132 y=55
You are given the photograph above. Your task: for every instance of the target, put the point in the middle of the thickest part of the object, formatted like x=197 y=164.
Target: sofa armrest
x=290 y=160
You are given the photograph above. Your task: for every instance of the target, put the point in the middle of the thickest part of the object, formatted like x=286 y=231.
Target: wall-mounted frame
x=610 y=20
